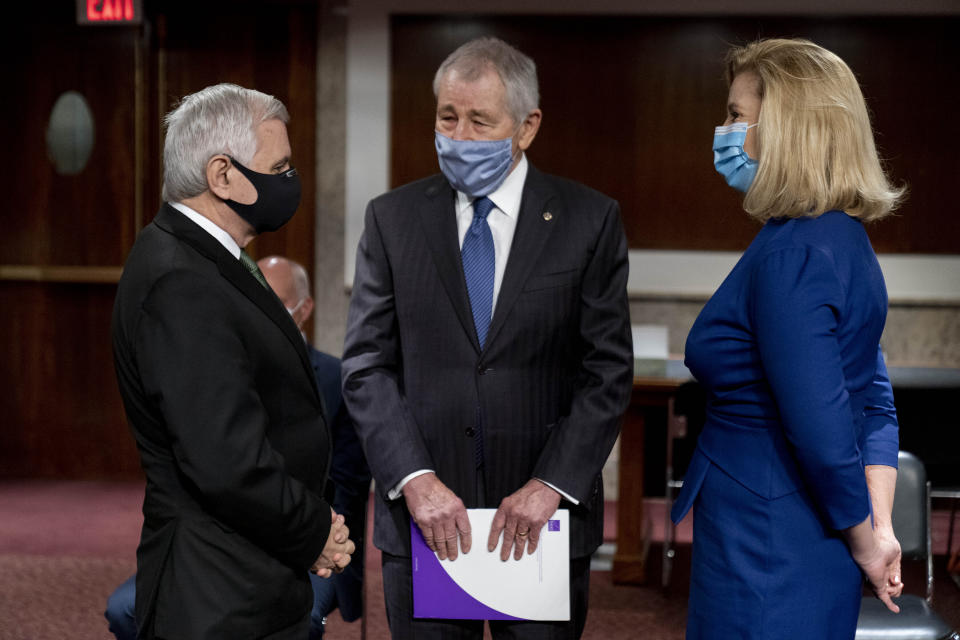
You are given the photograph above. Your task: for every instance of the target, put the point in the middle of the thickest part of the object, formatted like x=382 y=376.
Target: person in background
x=349 y=485
x=219 y=391
x=793 y=477
x=487 y=360
x=347 y=490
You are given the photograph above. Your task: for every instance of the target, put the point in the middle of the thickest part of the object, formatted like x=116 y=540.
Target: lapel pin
x=547 y=216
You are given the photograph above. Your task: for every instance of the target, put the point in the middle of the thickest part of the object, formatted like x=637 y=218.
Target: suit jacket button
x=470 y=432
x=482 y=370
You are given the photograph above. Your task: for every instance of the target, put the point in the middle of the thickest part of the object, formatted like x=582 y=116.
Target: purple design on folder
x=554 y=525
x=436 y=594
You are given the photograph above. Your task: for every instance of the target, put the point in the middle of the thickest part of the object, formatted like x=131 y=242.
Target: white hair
x=517 y=72
x=222 y=118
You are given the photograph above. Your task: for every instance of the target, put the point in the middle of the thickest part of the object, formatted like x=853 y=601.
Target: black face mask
x=278 y=196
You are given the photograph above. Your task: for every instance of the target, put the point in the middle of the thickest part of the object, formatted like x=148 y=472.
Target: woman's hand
x=879 y=559
x=890 y=547
x=878 y=556
x=882 y=482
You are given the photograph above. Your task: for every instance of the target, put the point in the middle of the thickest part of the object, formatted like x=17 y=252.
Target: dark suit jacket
x=221 y=398
x=349 y=485
x=542 y=398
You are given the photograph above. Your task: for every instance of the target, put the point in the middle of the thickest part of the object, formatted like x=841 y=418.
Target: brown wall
x=630 y=104
x=64 y=238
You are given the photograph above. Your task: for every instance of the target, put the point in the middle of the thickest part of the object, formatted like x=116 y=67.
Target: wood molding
x=47 y=273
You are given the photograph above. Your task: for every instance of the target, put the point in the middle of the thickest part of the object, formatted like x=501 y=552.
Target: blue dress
x=798 y=402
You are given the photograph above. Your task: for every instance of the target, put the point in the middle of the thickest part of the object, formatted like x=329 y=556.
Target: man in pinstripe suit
x=487 y=360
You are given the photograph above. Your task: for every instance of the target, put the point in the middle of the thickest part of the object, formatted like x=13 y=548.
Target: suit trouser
x=297 y=631
x=398 y=596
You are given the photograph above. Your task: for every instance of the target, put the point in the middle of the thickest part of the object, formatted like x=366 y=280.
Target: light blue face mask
x=729 y=158
x=476 y=167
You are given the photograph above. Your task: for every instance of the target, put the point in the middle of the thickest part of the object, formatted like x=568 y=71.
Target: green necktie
x=252 y=267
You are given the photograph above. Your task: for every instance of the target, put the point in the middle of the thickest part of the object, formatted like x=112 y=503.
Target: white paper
x=536 y=587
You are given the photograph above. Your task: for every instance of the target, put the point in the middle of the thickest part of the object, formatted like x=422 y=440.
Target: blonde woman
x=794 y=472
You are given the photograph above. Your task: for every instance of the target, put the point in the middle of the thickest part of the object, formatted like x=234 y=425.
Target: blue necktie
x=478 y=267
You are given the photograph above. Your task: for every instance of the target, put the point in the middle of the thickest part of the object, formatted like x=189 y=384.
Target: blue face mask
x=729 y=158
x=476 y=167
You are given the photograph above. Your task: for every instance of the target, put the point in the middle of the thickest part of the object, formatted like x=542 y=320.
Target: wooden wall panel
x=67 y=220
x=630 y=104
x=270 y=47
x=62 y=416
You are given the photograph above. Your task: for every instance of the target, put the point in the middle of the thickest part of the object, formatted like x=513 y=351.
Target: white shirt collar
x=507 y=196
x=210 y=227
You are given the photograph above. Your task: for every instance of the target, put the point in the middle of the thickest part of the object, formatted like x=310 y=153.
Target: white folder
x=480 y=586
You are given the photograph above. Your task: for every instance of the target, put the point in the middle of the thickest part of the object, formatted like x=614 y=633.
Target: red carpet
x=64 y=546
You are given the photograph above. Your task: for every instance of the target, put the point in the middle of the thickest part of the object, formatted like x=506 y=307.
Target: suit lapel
x=235 y=273
x=529 y=239
x=439 y=222
x=267 y=301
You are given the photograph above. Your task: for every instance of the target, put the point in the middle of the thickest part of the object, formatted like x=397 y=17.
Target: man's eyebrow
x=472 y=113
x=480 y=113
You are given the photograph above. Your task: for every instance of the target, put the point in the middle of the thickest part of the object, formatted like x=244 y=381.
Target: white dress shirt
x=210 y=227
x=502 y=220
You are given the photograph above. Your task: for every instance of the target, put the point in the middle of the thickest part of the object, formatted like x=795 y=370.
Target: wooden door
x=65 y=236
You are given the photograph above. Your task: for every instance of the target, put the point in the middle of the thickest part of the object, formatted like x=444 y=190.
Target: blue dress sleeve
x=880 y=434
x=795 y=302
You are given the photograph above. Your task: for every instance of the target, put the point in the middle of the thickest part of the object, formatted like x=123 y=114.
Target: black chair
x=911 y=522
x=686 y=413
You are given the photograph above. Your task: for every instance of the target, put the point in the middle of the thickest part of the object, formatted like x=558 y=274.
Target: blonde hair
x=815 y=141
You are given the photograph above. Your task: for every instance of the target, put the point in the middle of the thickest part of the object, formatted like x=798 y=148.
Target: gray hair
x=222 y=118
x=517 y=71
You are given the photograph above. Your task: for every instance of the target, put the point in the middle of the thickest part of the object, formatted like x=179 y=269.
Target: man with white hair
x=219 y=390
x=487 y=360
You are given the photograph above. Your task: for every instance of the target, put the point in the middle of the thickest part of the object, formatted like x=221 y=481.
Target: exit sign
x=107 y=12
